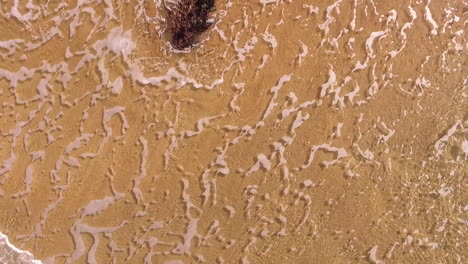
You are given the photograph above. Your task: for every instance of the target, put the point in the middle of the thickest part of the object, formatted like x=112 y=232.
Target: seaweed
x=188 y=20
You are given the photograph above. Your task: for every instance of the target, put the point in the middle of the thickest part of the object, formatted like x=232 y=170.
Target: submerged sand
x=293 y=132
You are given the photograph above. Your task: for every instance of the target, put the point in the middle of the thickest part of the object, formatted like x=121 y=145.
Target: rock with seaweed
x=188 y=19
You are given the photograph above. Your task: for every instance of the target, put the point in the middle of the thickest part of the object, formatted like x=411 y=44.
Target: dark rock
x=188 y=20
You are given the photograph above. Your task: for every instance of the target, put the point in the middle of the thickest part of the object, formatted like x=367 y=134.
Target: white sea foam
x=9 y=254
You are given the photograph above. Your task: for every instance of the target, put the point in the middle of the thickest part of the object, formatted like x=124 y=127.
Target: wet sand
x=292 y=132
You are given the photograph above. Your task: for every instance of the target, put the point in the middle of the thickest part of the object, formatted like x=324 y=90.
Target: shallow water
x=293 y=132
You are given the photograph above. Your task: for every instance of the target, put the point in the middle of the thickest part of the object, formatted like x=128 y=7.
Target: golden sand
x=293 y=132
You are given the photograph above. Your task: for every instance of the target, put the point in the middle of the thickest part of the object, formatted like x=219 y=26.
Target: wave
x=9 y=254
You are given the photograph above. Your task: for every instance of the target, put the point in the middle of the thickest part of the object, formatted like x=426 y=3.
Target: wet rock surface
x=188 y=20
